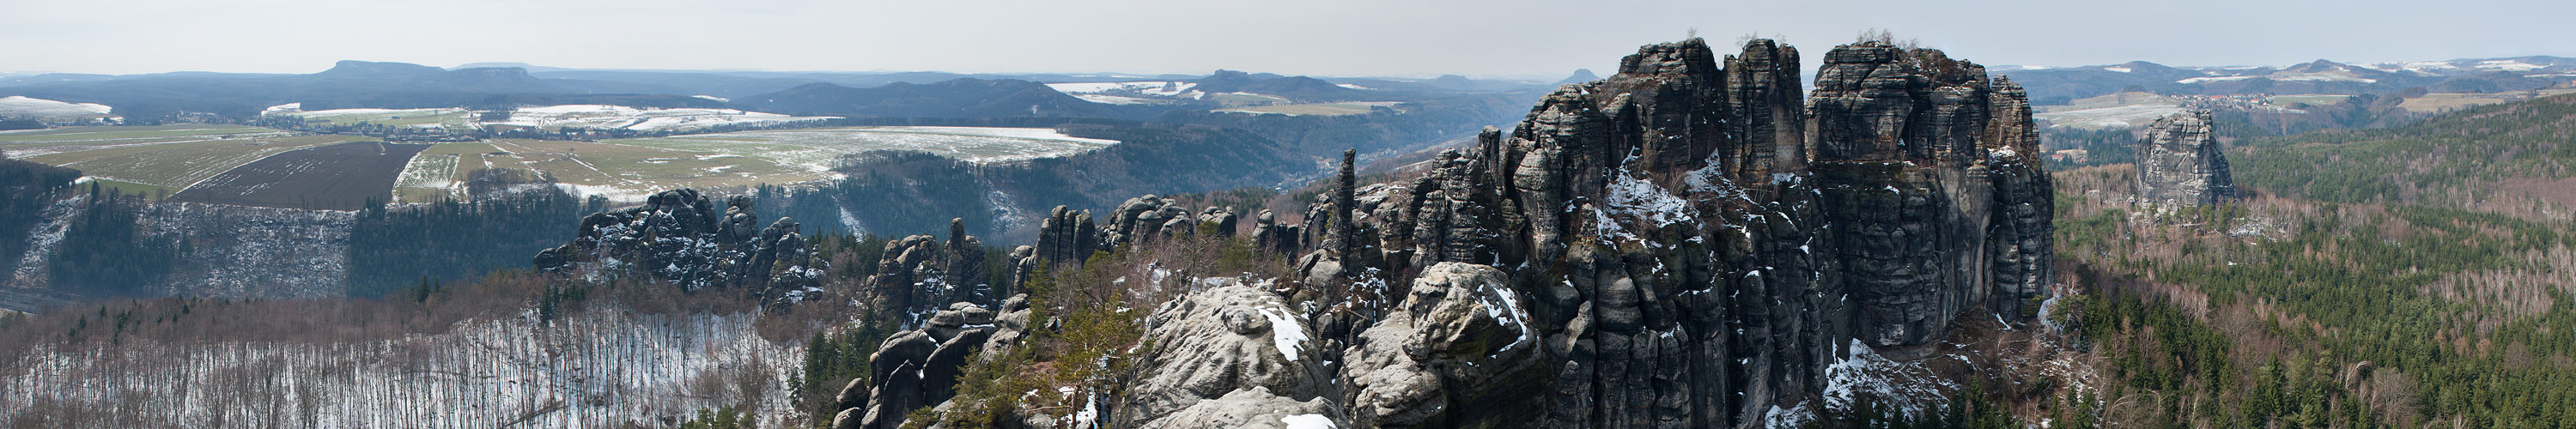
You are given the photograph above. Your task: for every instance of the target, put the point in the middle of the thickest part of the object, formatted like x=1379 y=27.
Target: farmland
x=815 y=149
x=172 y=156
x=623 y=171
x=451 y=119
x=2440 y=102
x=259 y=166
x=2120 y=110
x=551 y=118
x=337 y=177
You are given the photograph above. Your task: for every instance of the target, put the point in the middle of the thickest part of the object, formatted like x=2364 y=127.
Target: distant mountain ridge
x=2478 y=75
x=346 y=84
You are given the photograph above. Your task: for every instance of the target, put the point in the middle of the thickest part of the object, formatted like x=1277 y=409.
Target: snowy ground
x=817 y=148
x=600 y=368
x=1922 y=380
x=429 y=171
x=43 y=109
x=451 y=119
x=1159 y=89
x=256 y=252
x=641 y=118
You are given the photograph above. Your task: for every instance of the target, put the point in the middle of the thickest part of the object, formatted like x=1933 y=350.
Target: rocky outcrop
x=1689 y=243
x=1150 y=218
x=2181 y=165
x=1919 y=156
x=680 y=236
x=920 y=367
x=1202 y=346
x=1254 y=408
x=1460 y=343
x=920 y=272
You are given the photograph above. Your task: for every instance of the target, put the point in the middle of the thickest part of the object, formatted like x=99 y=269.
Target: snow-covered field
x=43 y=109
x=452 y=119
x=429 y=171
x=641 y=118
x=602 y=368
x=1157 y=88
x=1129 y=92
x=817 y=148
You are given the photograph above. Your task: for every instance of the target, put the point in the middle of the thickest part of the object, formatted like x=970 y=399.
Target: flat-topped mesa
x=2181 y=165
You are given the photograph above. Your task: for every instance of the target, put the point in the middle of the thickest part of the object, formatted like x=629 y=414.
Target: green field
x=1239 y=99
x=151 y=192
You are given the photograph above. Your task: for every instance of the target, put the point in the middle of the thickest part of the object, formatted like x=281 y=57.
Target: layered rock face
x=678 y=235
x=2181 y=165
x=921 y=273
x=920 y=367
x=1687 y=243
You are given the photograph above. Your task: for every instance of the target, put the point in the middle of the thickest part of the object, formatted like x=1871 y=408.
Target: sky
x=1503 y=38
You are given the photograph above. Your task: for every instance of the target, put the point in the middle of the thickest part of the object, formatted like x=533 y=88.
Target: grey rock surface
x=1253 y=408
x=2181 y=165
x=1684 y=244
x=1211 y=342
x=679 y=236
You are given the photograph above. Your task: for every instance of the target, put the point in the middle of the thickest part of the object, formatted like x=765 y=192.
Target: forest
x=2376 y=278
x=446 y=241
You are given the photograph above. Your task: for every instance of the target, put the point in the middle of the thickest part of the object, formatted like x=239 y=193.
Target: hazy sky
x=1314 y=37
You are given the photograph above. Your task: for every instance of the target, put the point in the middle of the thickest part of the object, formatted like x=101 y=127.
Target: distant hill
x=1580 y=76
x=2511 y=148
x=1299 y=88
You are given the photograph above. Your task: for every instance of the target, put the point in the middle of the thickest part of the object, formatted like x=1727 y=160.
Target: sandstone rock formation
x=920 y=272
x=1686 y=244
x=2181 y=165
x=920 y=367
x=1202 y=346
x=679 y=236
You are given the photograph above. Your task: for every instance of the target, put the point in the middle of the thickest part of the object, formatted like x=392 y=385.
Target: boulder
x=1215 y=341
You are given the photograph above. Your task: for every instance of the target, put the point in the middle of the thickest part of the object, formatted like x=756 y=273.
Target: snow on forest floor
x=600 y=368
x=1922 y=380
